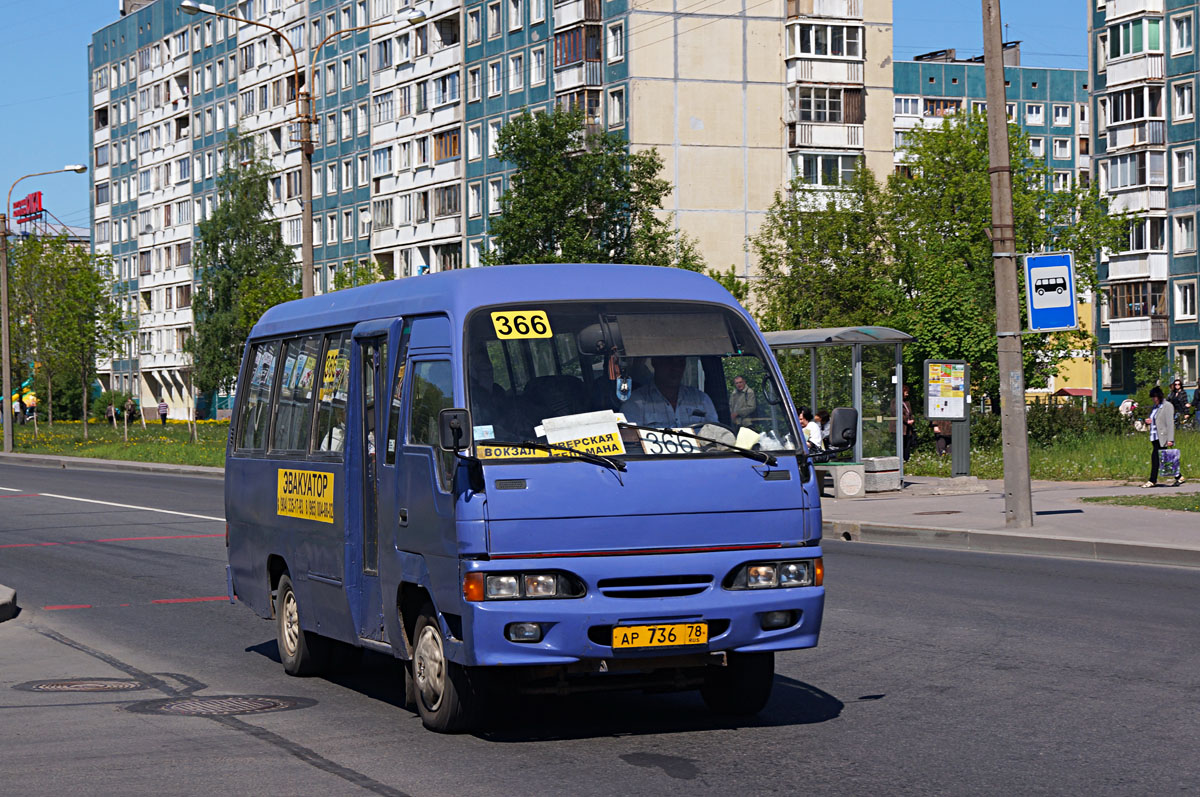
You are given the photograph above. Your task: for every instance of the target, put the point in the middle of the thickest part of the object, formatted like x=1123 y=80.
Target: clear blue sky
x=43 y=73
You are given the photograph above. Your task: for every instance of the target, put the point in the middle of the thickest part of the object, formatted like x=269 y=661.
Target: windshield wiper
x=760 y=456
x=603 y=461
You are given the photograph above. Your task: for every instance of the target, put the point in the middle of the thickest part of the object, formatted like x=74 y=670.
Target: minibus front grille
x=654 y=586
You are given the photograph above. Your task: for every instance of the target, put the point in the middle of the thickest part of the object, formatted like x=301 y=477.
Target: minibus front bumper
x=674 y=591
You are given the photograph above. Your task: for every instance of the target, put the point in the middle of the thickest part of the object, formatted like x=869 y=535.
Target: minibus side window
x=331 y=404
x=256 y=407
x=433 y=391
x=293 y=413
x=393 y=431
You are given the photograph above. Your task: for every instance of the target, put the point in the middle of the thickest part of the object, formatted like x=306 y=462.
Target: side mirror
x=770 y=393
x=454 y=429
x=843 y=427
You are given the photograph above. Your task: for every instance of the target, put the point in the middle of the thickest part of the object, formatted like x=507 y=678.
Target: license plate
x=626 y=637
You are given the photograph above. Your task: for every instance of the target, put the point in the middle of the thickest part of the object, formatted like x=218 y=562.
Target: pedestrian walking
x=1162 y=440
x=162 y=411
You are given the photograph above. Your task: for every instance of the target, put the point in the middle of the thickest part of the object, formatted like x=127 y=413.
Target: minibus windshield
x=582 y=374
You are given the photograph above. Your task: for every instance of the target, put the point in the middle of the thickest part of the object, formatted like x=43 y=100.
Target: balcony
x=841 y=9
x=1137 y=331
x=577 y=11
x=583 y=73
x=807 y=134
x=1138 y=265
x=1139 y=200
x=1132 y=70
x=807 y=70
x=1124 y=8
x=1133 y=135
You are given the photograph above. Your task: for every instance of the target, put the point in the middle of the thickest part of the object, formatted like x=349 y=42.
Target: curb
x=87 y=463
x=8 y=603
x=1006 y=542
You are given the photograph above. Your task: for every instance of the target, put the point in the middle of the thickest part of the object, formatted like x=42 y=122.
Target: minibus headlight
x=478 y=586
x=501 y=587
x=765 y=575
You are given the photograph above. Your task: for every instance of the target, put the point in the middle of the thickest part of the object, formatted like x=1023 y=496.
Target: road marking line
x=131 y=506
x=191 y=600
x=112 y=539
x=68 y=606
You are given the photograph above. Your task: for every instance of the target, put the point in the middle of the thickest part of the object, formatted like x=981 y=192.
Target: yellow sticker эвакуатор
x=305 y=494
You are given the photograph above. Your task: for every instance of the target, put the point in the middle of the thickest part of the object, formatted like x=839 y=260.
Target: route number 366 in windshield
x=661 y=443
x=522 y=324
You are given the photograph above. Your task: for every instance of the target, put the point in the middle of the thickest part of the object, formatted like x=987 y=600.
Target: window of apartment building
x=445 y=145
x=823 y=169
x=421 y=92
x=474 y=142
x=1035 y=113
x=102 y=193
x=474 y=33
x=1062 y=148
x=1061 y=181
x=515 y=14
x=404 y=101
x=495 y=191
x=360 y=119
x=833 y=41
x=364 y=222
x=493 y=20
x=1185 y=301
x=364 y=68
x=537 y=11
x=383 y=54
x=381 y=214
x=1062 y=115
x=364 y=170
x=330 y=78
x=421 y=150
x=1184 y=106
x=493 y=136
x=1147 y=235
x=1132 y=38
x=908 y=106
x=447 y=201
x=347 y=124
x=616 y=108
x=292 y=181
x=979 y=107
x=331 y=181
x=347 y=175
x=1143 y=102
x=330 y=128
x=494 y=79
x=577 y=44
x=616 y=42
x=347 y=225
x=941 y=107
x=474 y=91
x=421 y=207
x=403 y=51
x=381 y=162
x=420 y=41
x=474 y=199
x=1181 y=34
x=537 y=67
x=1185 y=359
x=404 y=156
x=1037 y=147
x=1138 y=168
x=1185 y=234
x=383 y=107
x=100 y=156
x=1185 y=168
x=516 y=72
x=347 y=73
x=1137 y=300
x=445 y=88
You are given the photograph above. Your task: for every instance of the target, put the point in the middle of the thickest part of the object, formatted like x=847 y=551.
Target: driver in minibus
x=667 y=402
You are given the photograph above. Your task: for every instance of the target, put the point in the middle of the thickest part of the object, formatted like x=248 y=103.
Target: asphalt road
x=938 y=672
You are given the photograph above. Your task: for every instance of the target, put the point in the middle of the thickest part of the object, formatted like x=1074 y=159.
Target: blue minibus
x=526 y=479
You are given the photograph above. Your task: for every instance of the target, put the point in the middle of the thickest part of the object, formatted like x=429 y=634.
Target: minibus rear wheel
x=302 y=652
x=742 y=687
x=444 y=697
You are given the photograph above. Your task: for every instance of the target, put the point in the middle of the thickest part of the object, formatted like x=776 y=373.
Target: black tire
x=742 y=687
x=302 y=652
x=442 y=689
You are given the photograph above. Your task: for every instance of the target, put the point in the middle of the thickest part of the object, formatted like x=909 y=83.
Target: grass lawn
x=1182 y=503
x=1110 y=457
x=157 y=443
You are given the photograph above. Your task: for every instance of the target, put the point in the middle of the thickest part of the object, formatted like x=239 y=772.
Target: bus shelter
x=860 y=367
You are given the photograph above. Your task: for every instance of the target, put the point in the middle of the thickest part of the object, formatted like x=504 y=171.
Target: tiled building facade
x=1142 y=60
x=736 y=97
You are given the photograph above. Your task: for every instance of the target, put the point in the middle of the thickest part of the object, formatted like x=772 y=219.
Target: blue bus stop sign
x=1050 y=292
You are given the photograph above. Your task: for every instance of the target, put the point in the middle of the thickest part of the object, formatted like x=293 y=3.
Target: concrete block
x=882 y=474
x=846 y=479
x=8 y=603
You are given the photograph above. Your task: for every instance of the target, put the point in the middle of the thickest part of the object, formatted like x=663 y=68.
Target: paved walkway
x=1063 y=524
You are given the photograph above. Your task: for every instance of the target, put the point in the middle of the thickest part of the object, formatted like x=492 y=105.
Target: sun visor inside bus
x=674 y=334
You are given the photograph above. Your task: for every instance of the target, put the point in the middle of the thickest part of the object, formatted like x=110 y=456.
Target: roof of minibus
x=460 y=291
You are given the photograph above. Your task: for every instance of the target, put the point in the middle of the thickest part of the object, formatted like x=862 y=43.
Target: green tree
x=243 y=266
x=581 y=196
x=915 y=253
x=357 y=272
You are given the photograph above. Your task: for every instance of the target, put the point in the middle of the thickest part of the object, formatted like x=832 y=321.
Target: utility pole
x=7 y=379
x=1018 y=500
x=308 y=275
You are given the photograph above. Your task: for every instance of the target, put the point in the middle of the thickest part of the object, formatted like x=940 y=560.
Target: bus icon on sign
x=1050 y=284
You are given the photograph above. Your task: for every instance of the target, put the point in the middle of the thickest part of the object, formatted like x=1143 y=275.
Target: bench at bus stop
x=856 y=479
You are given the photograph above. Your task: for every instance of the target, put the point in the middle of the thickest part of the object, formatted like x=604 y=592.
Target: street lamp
x=6 y=385
x=304 y=116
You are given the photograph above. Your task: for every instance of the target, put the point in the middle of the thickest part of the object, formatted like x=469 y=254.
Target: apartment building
x=1050 y=105
x=736 y=98
x=1142 y=63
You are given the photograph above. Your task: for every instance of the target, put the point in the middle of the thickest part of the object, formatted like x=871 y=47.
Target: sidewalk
x=88 y=463
x=1063 y=525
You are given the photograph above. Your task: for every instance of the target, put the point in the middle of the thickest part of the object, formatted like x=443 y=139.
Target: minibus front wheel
x=443 y=691
x=742 y=687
